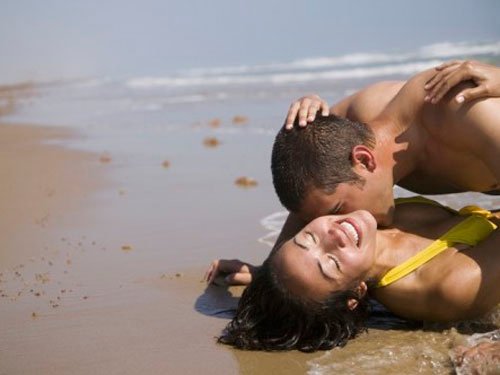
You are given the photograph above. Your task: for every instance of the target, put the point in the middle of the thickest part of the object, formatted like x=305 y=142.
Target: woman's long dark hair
x=271 y=318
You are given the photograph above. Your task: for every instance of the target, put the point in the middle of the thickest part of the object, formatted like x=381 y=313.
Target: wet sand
x=69 y=300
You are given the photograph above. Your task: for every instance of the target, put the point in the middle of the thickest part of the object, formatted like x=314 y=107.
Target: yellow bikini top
x=475 y=228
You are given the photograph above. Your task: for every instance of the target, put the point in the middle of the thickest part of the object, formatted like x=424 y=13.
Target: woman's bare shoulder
x=416 y=215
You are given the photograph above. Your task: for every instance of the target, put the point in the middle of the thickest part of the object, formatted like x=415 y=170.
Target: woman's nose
x=335 y=234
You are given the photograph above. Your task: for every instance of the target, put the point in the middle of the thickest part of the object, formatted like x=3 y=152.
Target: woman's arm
x=472 y=290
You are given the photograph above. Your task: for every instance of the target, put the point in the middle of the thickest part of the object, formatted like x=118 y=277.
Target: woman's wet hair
x=270 y=318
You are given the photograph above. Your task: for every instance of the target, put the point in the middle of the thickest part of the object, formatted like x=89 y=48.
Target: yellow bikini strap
x=476 y=210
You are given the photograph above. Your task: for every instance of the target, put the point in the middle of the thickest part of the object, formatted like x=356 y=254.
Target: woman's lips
x=352 y=230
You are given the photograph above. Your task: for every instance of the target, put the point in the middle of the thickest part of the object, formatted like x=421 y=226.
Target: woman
x=311 y=293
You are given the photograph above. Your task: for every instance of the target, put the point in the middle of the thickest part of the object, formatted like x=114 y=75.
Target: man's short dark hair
x=317 y=156
x=270 y=318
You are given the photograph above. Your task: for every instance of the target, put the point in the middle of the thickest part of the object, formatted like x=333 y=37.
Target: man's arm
x=408 y=104
x=474 y=125
x=367 y=103
x=481 y=131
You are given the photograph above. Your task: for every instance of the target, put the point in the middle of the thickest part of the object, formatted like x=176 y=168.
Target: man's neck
x=398 y=148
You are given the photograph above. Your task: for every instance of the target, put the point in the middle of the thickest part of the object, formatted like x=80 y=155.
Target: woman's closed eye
x=310 y=236
x=334 y=261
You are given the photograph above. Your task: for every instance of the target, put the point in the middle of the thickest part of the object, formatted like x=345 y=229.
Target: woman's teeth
x=351 y=231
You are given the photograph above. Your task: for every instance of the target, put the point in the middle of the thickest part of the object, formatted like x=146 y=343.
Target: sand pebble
x=34 y=315
x=214 y=123
x=105 y=158
x=42 y=277
x=165 y=164
x=85 y=297
x=245 y=182
x=239 y=120
x=126 y=247
x=211 y=142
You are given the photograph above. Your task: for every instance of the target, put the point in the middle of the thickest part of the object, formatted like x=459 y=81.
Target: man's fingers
x=470 y=94
x=239 y=278
x=439 y=78
x=447 y=82
x=325 y=109
x=292 y=115
x=448 y=64
x=311 y=114
x=304 y=111
x=434 y=80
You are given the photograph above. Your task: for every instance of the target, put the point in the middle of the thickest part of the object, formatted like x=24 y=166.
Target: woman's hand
x=448 y=75
x=306 y=108
x=235 y=271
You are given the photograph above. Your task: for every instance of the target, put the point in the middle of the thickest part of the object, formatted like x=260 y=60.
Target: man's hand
x=234 y=271
x=448 y=75
x=306 y=109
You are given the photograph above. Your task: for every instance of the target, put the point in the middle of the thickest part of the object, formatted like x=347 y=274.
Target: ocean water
x=261 y=91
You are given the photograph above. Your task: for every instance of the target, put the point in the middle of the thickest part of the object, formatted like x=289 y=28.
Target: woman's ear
x=363 y=157
x=360 y=290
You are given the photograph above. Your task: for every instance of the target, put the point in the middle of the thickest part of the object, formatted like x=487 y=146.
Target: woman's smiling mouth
x=352 y=230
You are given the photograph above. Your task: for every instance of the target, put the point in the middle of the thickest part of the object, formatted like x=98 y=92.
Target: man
x=423 y=147
x=408 y=138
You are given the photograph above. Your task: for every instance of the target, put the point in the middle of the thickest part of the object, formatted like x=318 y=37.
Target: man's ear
x=363 y=157
x=360 y=290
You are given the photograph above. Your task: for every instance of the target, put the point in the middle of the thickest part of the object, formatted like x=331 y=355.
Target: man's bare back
x=446 y=164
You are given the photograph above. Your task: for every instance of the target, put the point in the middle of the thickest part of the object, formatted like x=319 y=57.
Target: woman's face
x=331 y=253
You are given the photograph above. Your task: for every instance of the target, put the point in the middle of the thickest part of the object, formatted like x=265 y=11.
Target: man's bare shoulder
x=369 y=102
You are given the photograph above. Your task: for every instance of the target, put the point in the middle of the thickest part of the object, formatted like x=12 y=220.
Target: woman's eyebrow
x=299 y=244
